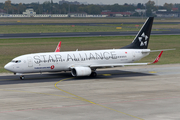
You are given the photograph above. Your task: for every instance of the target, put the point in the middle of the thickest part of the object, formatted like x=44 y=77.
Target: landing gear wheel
x=22 y=77
x=93 y=74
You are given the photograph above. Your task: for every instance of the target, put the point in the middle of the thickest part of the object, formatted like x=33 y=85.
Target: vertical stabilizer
x=141 y=40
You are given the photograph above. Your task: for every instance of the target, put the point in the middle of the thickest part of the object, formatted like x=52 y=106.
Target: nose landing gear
x=22 y=77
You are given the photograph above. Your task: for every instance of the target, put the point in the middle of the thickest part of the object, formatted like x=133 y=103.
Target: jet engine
x=81 y=71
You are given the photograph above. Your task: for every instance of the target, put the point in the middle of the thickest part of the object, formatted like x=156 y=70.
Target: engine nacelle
x=81 y=71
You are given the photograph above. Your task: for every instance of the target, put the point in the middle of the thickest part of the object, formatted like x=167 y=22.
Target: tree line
x=49 y=7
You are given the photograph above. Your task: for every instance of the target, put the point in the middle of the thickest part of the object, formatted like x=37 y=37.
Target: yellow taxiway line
x=83 y=99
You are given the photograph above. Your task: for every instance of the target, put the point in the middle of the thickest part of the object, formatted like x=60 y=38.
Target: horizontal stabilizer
x=147 y=51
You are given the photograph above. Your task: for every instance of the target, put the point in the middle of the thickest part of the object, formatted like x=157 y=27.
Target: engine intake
x=81 y=71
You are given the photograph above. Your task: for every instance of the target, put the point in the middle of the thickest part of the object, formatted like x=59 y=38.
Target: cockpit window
x=16 y=61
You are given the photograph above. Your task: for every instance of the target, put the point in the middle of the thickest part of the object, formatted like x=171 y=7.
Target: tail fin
x=142 y=38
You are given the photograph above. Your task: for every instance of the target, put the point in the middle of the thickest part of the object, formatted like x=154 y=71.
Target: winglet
x=58 y=47
x=158 y=57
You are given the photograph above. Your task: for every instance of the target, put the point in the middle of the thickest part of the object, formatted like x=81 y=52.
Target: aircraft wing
x=125 y=64
x=116 y=65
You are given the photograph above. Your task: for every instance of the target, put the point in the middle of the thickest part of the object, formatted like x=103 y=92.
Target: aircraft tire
x=93 y=74
x=22 y=77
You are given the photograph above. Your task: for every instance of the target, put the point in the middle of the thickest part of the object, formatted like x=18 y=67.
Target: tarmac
x=123 y=93
x=86 y=34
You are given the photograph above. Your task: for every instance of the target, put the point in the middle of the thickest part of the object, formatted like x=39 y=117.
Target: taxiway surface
x=128 y=93
x=84 y=34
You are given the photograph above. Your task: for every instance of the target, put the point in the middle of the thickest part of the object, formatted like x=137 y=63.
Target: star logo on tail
x=143 y=40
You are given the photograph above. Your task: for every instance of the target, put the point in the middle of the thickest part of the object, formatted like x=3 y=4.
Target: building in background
x=78 y=14
x=140 y=11
x=83 y=14
x=116 y=14
x=67 y=2
x=175 y=9
x=29 y=12
x=167 y=14
x=2 y=11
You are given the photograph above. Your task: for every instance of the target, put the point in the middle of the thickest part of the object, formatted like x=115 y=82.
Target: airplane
x=85 y=63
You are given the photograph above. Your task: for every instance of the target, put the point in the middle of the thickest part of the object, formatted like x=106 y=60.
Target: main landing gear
x=93 y=74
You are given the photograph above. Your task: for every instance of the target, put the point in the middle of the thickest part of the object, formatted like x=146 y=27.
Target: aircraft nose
x=8 y=67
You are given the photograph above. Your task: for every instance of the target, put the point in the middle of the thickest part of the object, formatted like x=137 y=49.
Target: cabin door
x=133 y=56
x=30 y=62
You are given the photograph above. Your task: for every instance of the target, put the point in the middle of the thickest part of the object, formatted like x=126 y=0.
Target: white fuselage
x=63 y=61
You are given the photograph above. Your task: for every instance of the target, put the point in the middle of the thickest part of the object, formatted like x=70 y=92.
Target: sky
x=121 y=2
